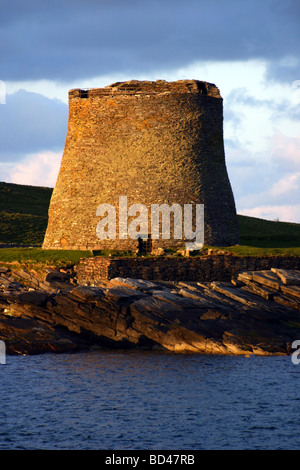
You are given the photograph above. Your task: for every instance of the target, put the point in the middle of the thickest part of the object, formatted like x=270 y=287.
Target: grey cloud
x=31 y=123
x=286 y=71
x=231 y=116
x=81 y=39
x=286 y=110
x=241 y=96
x=280 y=110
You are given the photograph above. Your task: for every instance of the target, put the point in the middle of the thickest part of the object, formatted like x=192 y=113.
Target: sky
x=249 y=49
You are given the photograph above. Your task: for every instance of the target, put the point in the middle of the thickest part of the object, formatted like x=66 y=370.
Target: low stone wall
x=207 y=268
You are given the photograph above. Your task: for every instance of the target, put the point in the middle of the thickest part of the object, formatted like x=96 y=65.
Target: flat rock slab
x=139 y=284
x=290 y=277
x=220 y=299
x=291 y=290
x=287 y=302
x=245 y=275
x=191 y=286
x=199 y=297
x=86 y=293
x=267 y=278
x=155 y=308
x=120 y=293
x=258 y=289
x=175 y=299
x=235 y=294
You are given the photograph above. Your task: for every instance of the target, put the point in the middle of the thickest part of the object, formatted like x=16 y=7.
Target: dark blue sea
x=149 y=400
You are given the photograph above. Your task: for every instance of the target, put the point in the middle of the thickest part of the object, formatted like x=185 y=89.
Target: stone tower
x=153 y=142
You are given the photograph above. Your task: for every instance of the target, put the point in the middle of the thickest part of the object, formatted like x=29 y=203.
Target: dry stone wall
x=91 y=271
x=154 y=142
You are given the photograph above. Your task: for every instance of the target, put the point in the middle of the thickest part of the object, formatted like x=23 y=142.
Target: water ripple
x=129 y=400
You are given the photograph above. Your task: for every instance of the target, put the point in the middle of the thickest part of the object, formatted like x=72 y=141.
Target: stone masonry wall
x=154 y=142
x=207 y=268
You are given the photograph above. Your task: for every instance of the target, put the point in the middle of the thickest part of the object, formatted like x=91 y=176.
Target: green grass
x=33 y=256
x=118 y=253
x=249 y=250
x=21 y=199
x=24 y=229
x=23 y=213
x=24 y=217
x=268 y=234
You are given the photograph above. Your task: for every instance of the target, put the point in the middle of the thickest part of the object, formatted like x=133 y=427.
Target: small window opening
x=84 y=94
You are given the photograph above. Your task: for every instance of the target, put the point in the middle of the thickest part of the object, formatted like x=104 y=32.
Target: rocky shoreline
x=257 y=313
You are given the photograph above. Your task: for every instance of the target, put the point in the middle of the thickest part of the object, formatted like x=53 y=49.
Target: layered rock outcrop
x=256 y=313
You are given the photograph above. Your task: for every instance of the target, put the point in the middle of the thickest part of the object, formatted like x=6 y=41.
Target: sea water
x=127 y=400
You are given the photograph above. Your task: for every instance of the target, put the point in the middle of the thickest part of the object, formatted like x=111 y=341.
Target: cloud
x=285 y=152
x=267 y=184
x=240 y=96
x=37 y=170
x=75 y=38
x=285 y=213
x=287 y=186
x=285 y=70
x=30 y=123
x=278 y=106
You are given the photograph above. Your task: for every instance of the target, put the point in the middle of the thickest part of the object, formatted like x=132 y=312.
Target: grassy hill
x=24 y=215
x=268 y=234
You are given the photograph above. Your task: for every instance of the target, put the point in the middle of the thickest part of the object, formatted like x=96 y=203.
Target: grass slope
x=268 y=234
x=23 y=213
x=24 y=216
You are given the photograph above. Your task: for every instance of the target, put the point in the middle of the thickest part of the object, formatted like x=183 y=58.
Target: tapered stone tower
x=153 y=142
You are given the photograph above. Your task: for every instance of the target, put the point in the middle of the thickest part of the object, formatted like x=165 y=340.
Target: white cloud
x=285 y=213
x=37 y=170
x=267 y=184
x=286 y=184
x=286 y=151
